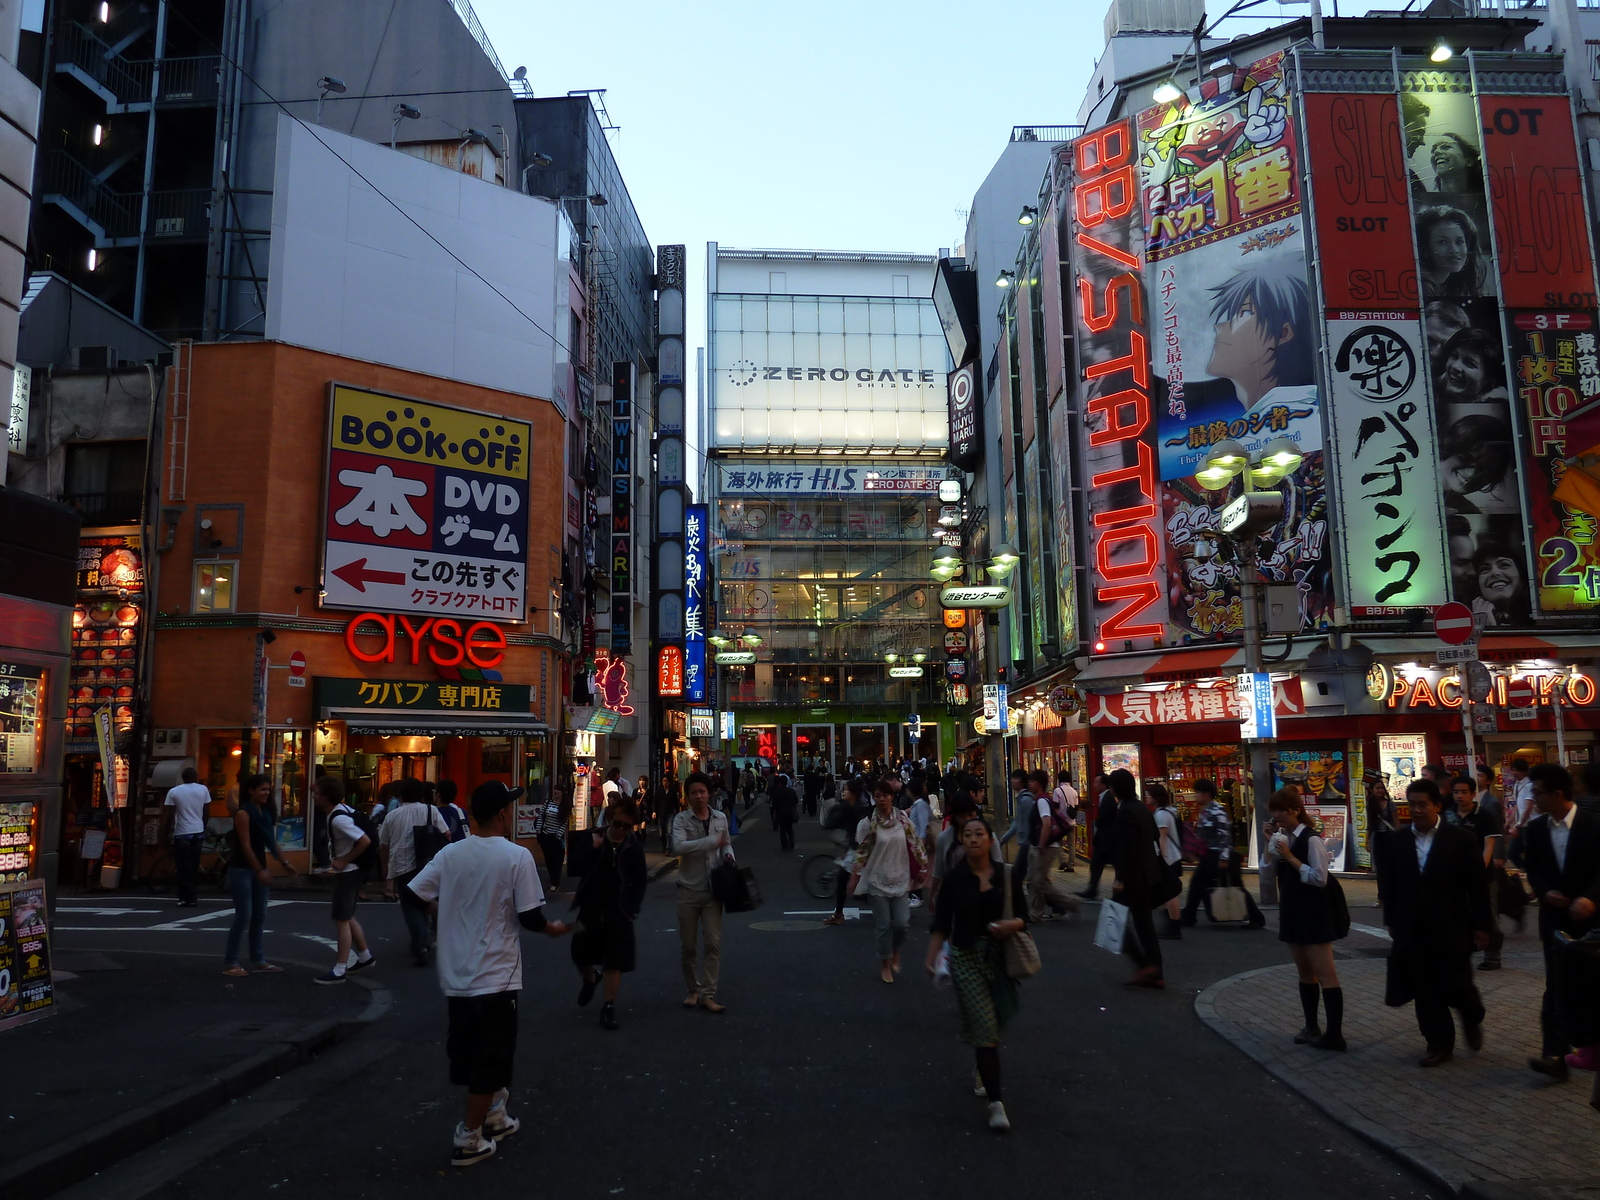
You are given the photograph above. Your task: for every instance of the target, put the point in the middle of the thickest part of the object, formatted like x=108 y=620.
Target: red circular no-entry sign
x=1520 y=693
x=297 y=663
x=1453 y=623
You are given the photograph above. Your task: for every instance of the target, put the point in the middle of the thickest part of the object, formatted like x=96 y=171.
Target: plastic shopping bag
x=1112 y=927
x=941 y=968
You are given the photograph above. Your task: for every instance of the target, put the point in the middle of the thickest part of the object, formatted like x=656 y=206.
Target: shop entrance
x=867 y=743
x=813 y=742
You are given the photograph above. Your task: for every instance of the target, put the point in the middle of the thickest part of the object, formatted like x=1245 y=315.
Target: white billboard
x=380 y=256
x=827 y=372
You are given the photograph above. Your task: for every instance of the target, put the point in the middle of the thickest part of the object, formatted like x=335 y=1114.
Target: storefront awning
x=1198 y=662
x=1492 y=647
x=380 y=722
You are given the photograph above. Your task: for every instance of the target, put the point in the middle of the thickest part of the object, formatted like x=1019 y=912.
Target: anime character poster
x=1203 y=568
x=1236 y=351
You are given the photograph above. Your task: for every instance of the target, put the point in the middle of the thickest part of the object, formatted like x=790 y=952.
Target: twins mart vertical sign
x=696 y=584
x=426 y=508
x=622 y=385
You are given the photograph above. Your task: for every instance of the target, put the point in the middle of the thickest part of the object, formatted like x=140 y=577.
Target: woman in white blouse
x=1305 y=916
x=889 y=863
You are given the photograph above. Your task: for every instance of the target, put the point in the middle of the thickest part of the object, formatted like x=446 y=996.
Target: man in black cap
x=485 y=891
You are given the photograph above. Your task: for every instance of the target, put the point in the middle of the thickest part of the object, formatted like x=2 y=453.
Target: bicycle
x=819 y=876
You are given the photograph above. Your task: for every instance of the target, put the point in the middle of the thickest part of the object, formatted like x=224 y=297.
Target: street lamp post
x=1241 y=522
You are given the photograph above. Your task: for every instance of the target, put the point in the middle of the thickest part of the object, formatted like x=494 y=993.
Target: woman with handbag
x=1170 y=848
x=1305 y=914
x=889 y=864
x=979 y=914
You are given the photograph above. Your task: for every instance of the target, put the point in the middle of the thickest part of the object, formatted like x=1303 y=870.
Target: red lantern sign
x=669 y=671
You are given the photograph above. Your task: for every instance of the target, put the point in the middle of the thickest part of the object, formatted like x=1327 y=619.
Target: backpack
x=1061 y=823
x=367 y=860
x=1189 y=841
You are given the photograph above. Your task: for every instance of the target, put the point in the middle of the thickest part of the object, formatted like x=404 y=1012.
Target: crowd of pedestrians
x=909 y=835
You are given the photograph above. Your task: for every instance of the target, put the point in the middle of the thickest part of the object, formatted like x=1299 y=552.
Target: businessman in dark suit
x=1139 y=875
x=1562 y=848
x=1102 y=834
x=1436 y=904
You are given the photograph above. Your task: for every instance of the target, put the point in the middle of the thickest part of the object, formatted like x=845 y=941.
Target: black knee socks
x=1333 y=1001
x=1308 y=1002
x=988 y=1059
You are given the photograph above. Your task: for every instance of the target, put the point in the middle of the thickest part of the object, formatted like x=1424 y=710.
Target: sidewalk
x=1482 y=1125
x=144 y=1043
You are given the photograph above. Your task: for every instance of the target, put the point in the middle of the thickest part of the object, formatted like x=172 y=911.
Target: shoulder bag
x=1020 y=951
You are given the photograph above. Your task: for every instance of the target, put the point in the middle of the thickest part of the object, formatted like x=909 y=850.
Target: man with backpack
x=1050 y=824
x=411 y=835
x=353 y=840
x=1065 y=799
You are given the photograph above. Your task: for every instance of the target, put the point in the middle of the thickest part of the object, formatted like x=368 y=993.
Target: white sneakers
x=978 y=1089
x=472 y=1146
x=998 y=1121
x=500 y=1124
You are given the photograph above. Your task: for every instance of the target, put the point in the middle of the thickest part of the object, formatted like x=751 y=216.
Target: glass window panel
x=780 y=315
x=833 y=428
x=669 y=565
x=855 y=316
x=726 y=314
x=806 y=425
x=830 y=316
x=669 y=616
x=805 y=315
x=669 y=510
x=881 y=320
x=753 y=313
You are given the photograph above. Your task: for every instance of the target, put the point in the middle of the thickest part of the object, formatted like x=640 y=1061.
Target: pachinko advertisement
x=1234 y=358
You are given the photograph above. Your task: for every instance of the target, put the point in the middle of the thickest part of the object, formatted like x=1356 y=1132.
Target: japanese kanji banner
x=1219 y=162
x=1556 y=366
x=696 y=596
x=1180 y=705
x=426 y=508
x=1385 y=465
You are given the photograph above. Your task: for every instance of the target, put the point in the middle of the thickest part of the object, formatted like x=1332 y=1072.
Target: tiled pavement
x=1482 y=1125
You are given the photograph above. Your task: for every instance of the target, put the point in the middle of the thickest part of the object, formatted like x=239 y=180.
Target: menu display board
x=105 y=636
x=21 y=718
x=16 y=842
x=26 y=991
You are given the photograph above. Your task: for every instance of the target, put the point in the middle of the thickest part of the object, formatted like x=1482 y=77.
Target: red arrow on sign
x=1453 y=623
x=357 y=575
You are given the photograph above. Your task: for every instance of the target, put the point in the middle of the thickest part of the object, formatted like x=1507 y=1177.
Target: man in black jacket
x=1139 y=874
x=785 y=809
x=1436 y=904
x=1562 y=846
x=1101 y=836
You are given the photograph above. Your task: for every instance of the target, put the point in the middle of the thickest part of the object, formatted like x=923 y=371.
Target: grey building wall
x=19 y=124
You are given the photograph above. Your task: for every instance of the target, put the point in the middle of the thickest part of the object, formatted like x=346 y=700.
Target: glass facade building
x=827 y=430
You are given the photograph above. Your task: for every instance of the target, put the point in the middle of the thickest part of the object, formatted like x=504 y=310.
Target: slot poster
x=26 y=990
x=1556 y=367
x=1536 y=192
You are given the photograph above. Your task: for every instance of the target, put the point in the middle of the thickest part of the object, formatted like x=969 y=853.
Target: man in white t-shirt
x=397 y=856
x=485 y=891
x=1066 y=798
x=186 y=822
x=348 y=842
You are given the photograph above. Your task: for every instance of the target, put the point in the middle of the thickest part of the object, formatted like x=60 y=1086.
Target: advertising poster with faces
x=1466 y=356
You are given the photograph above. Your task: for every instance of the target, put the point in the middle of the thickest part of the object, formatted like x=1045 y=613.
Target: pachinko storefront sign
x=1110 y=306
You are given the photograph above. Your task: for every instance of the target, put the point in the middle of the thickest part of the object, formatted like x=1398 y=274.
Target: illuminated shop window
x=214 y=585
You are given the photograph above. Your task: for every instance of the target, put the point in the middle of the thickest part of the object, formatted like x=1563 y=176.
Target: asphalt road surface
x=820 y=1080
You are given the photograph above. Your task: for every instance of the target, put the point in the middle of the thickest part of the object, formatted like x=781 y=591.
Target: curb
x=68 y=1162
x=1205 y=1008
x=661 y=870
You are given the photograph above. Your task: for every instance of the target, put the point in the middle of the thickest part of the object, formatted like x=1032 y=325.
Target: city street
x=818 y=1080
